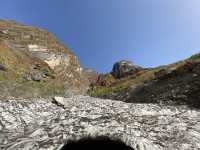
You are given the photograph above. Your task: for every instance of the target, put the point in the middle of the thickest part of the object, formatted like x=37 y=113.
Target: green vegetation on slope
x=18 y=64
x=124 y=84
x=120 y=86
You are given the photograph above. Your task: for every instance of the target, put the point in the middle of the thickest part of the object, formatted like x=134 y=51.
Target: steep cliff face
x=34 y=56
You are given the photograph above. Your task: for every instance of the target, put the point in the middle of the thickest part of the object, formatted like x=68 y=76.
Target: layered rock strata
x=38 y=55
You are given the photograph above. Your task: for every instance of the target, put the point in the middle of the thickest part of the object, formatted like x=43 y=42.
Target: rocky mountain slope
x=34 y=64
x=40 y=124
x=177 y=83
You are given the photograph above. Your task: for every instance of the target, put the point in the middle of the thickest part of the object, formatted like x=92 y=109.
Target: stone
x=40 y=124
x=124 y=68
x=2 y=68
x=59 y=101
x=195 y=75
x=36 y=77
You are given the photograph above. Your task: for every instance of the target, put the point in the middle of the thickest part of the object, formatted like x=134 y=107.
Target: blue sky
x=101 y=32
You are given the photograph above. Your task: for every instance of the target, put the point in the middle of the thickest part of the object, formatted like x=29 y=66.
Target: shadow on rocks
x=102 y=143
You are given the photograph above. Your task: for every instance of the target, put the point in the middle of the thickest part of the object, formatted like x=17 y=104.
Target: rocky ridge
x=124 y=68
x=40 y=124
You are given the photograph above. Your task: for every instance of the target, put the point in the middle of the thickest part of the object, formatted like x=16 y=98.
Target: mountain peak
x=124 y=68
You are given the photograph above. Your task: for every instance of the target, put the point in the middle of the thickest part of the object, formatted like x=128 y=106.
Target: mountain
x=33 y=63
x=177 y=83
x=151 y=108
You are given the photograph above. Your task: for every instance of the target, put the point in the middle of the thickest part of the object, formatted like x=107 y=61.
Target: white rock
x=146 y=126
x=59 y=100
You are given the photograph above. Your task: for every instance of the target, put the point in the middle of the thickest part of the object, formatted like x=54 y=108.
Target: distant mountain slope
x=177 y=83
x=36 y=64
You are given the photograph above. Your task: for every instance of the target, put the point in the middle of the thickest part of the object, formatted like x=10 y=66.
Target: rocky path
x=40 y=124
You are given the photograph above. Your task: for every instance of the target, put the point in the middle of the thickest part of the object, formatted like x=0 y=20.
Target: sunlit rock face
x=40 y=46
x=34 y=124
x=51 y=58
x=124 y=68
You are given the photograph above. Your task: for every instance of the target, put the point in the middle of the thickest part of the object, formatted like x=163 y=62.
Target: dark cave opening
x=102 y=143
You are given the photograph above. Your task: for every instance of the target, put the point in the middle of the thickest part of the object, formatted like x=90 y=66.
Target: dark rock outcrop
x=121 y=70
x=2 y=68
x=124 y=68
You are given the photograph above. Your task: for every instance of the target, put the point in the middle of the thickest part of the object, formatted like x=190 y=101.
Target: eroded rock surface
x=40 y=124
x=33 y=54
x=124 y=68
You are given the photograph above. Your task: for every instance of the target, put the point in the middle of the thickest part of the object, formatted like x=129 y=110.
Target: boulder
x=124 y=68
x=36 y=77
x=59 y=101
x=2 y=68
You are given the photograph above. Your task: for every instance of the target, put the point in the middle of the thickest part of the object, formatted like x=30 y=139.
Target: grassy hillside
x=120 y=85
x=126 y=88
x=17 y=65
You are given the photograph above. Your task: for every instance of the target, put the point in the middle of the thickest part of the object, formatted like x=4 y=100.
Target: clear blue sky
x=101 y=32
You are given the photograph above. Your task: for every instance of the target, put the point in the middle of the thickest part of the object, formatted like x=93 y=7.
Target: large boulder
x=124 y=68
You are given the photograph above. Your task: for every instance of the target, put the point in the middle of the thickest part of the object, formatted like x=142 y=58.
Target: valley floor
x=41 y=124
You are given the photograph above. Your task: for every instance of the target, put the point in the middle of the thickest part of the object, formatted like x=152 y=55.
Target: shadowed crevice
x=101 y=142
